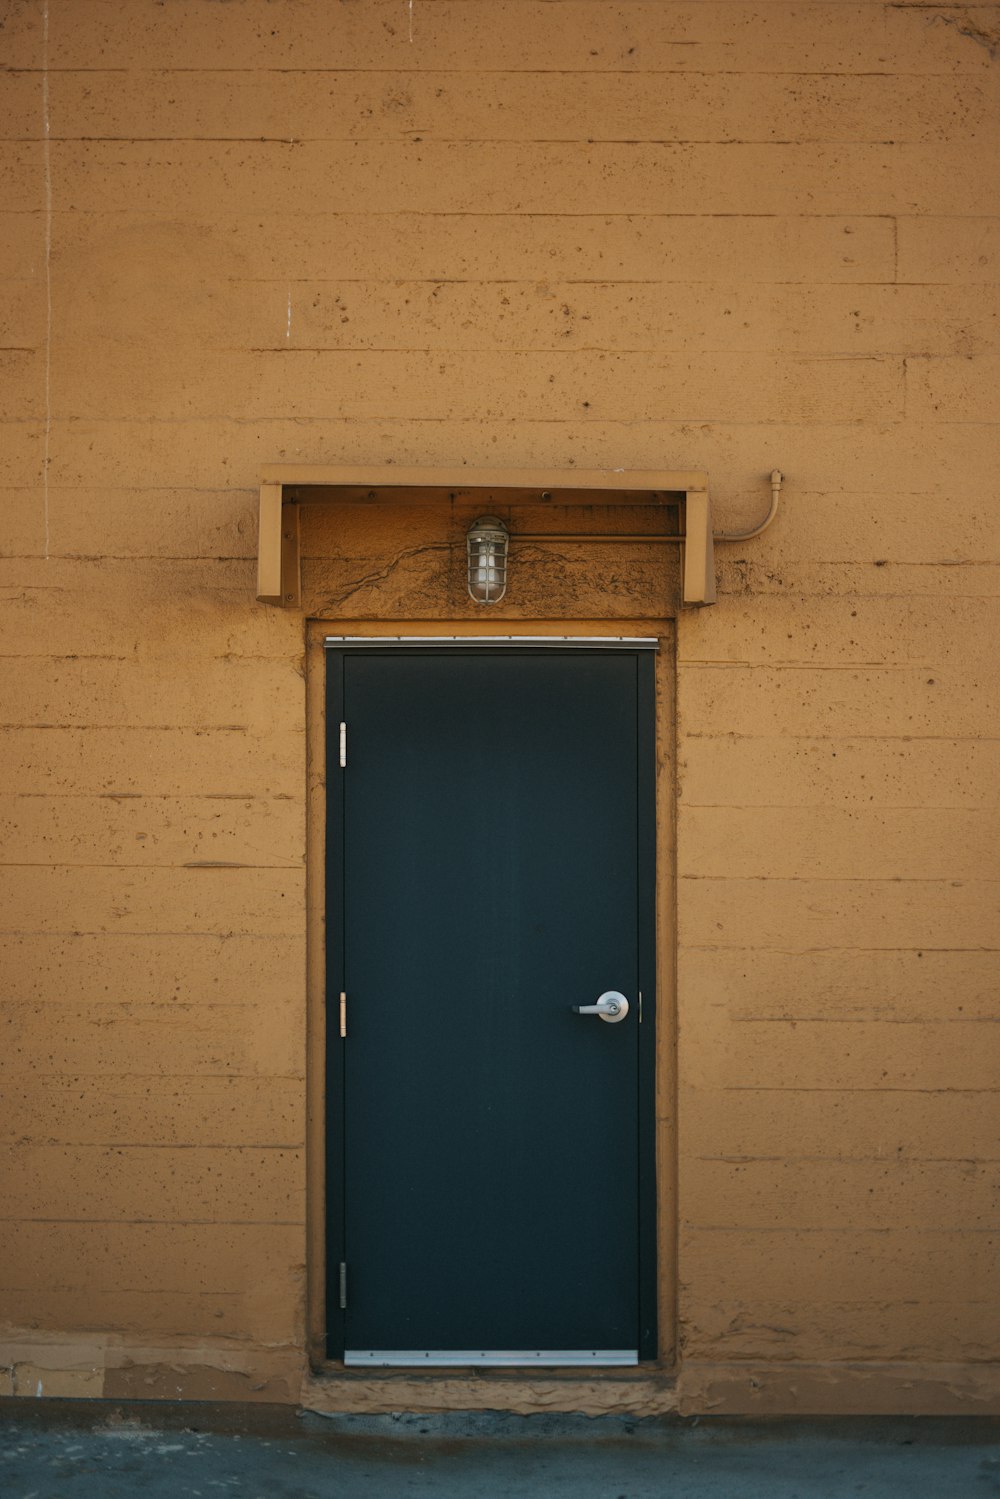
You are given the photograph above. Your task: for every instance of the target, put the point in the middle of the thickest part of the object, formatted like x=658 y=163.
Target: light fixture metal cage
x=486 y=545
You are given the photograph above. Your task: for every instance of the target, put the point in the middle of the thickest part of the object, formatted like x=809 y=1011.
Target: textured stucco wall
x=722 y=236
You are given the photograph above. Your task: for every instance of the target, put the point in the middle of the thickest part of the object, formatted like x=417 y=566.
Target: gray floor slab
x=459 y=1457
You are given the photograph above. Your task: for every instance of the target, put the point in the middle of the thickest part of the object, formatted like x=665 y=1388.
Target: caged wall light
x=486 y=546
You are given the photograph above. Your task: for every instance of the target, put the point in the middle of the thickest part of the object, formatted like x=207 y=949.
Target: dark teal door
x=490 y=866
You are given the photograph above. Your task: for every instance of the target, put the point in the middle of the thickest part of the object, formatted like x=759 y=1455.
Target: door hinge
x=343 y=746
x=343 y=1013
x=343 y=1285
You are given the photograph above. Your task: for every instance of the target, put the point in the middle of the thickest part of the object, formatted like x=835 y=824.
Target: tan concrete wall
x=716 y=235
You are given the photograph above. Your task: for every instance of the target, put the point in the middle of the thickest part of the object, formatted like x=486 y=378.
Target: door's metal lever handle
x=611 y=1007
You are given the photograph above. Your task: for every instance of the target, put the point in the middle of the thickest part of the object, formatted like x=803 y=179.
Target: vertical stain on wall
x=47 y=157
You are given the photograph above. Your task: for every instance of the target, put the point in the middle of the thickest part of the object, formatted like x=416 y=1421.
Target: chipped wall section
x=511 y=233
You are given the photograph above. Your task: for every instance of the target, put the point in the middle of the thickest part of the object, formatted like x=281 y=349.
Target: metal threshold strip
x=409 y=1358
x=561 y=642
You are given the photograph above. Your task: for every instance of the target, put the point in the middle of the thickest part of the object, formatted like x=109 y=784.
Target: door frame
x=396 y=1389
x=643 y=650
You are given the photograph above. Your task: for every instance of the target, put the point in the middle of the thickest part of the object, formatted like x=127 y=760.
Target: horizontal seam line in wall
x=558 y=214
x=816 y=879
x=225 y=660
x=473 y=72
x=246 y=731
x=389 y=280
x=871 y=1300
x=231 y=1339
x=824 y=806
x=154 y=728
x=866 y=562
x=747 y=1088
x=797 y=1228
x=86 y=934
x=611 y=281
x=614 y=351
x=856 y=1160
x=690 y=663
x=410 y=137
x=859 y=1019
x=153 y=796
x=841 y=739
x=75 y=556
x=155 y=1145
x=206 y=865
x=501 y=213
x=172 y=1222
x=793 y=952
x=724 y=947
x=429 y=73
x=181 y=491
x=133 y=1009
x=248 y=797
x=479 y=423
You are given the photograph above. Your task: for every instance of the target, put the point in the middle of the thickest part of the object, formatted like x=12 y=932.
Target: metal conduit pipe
x=776 y=478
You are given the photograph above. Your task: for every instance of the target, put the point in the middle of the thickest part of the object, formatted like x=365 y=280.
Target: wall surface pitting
x=509 y=233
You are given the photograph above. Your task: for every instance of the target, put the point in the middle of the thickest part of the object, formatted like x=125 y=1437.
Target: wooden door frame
x=642 y=651
x=332 y=1385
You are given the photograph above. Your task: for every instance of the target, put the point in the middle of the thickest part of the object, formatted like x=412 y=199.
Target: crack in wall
x=381 y=575
x=965 y=26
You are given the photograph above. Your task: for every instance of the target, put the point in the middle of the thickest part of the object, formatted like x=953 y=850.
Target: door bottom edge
x=519 y=1358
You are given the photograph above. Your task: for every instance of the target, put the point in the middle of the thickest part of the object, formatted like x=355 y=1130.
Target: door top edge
x=562 y=642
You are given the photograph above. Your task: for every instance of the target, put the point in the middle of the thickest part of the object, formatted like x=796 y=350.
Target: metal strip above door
x=506 y=642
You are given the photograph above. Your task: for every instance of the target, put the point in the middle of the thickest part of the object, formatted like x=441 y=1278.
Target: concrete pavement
x=79 y=1450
